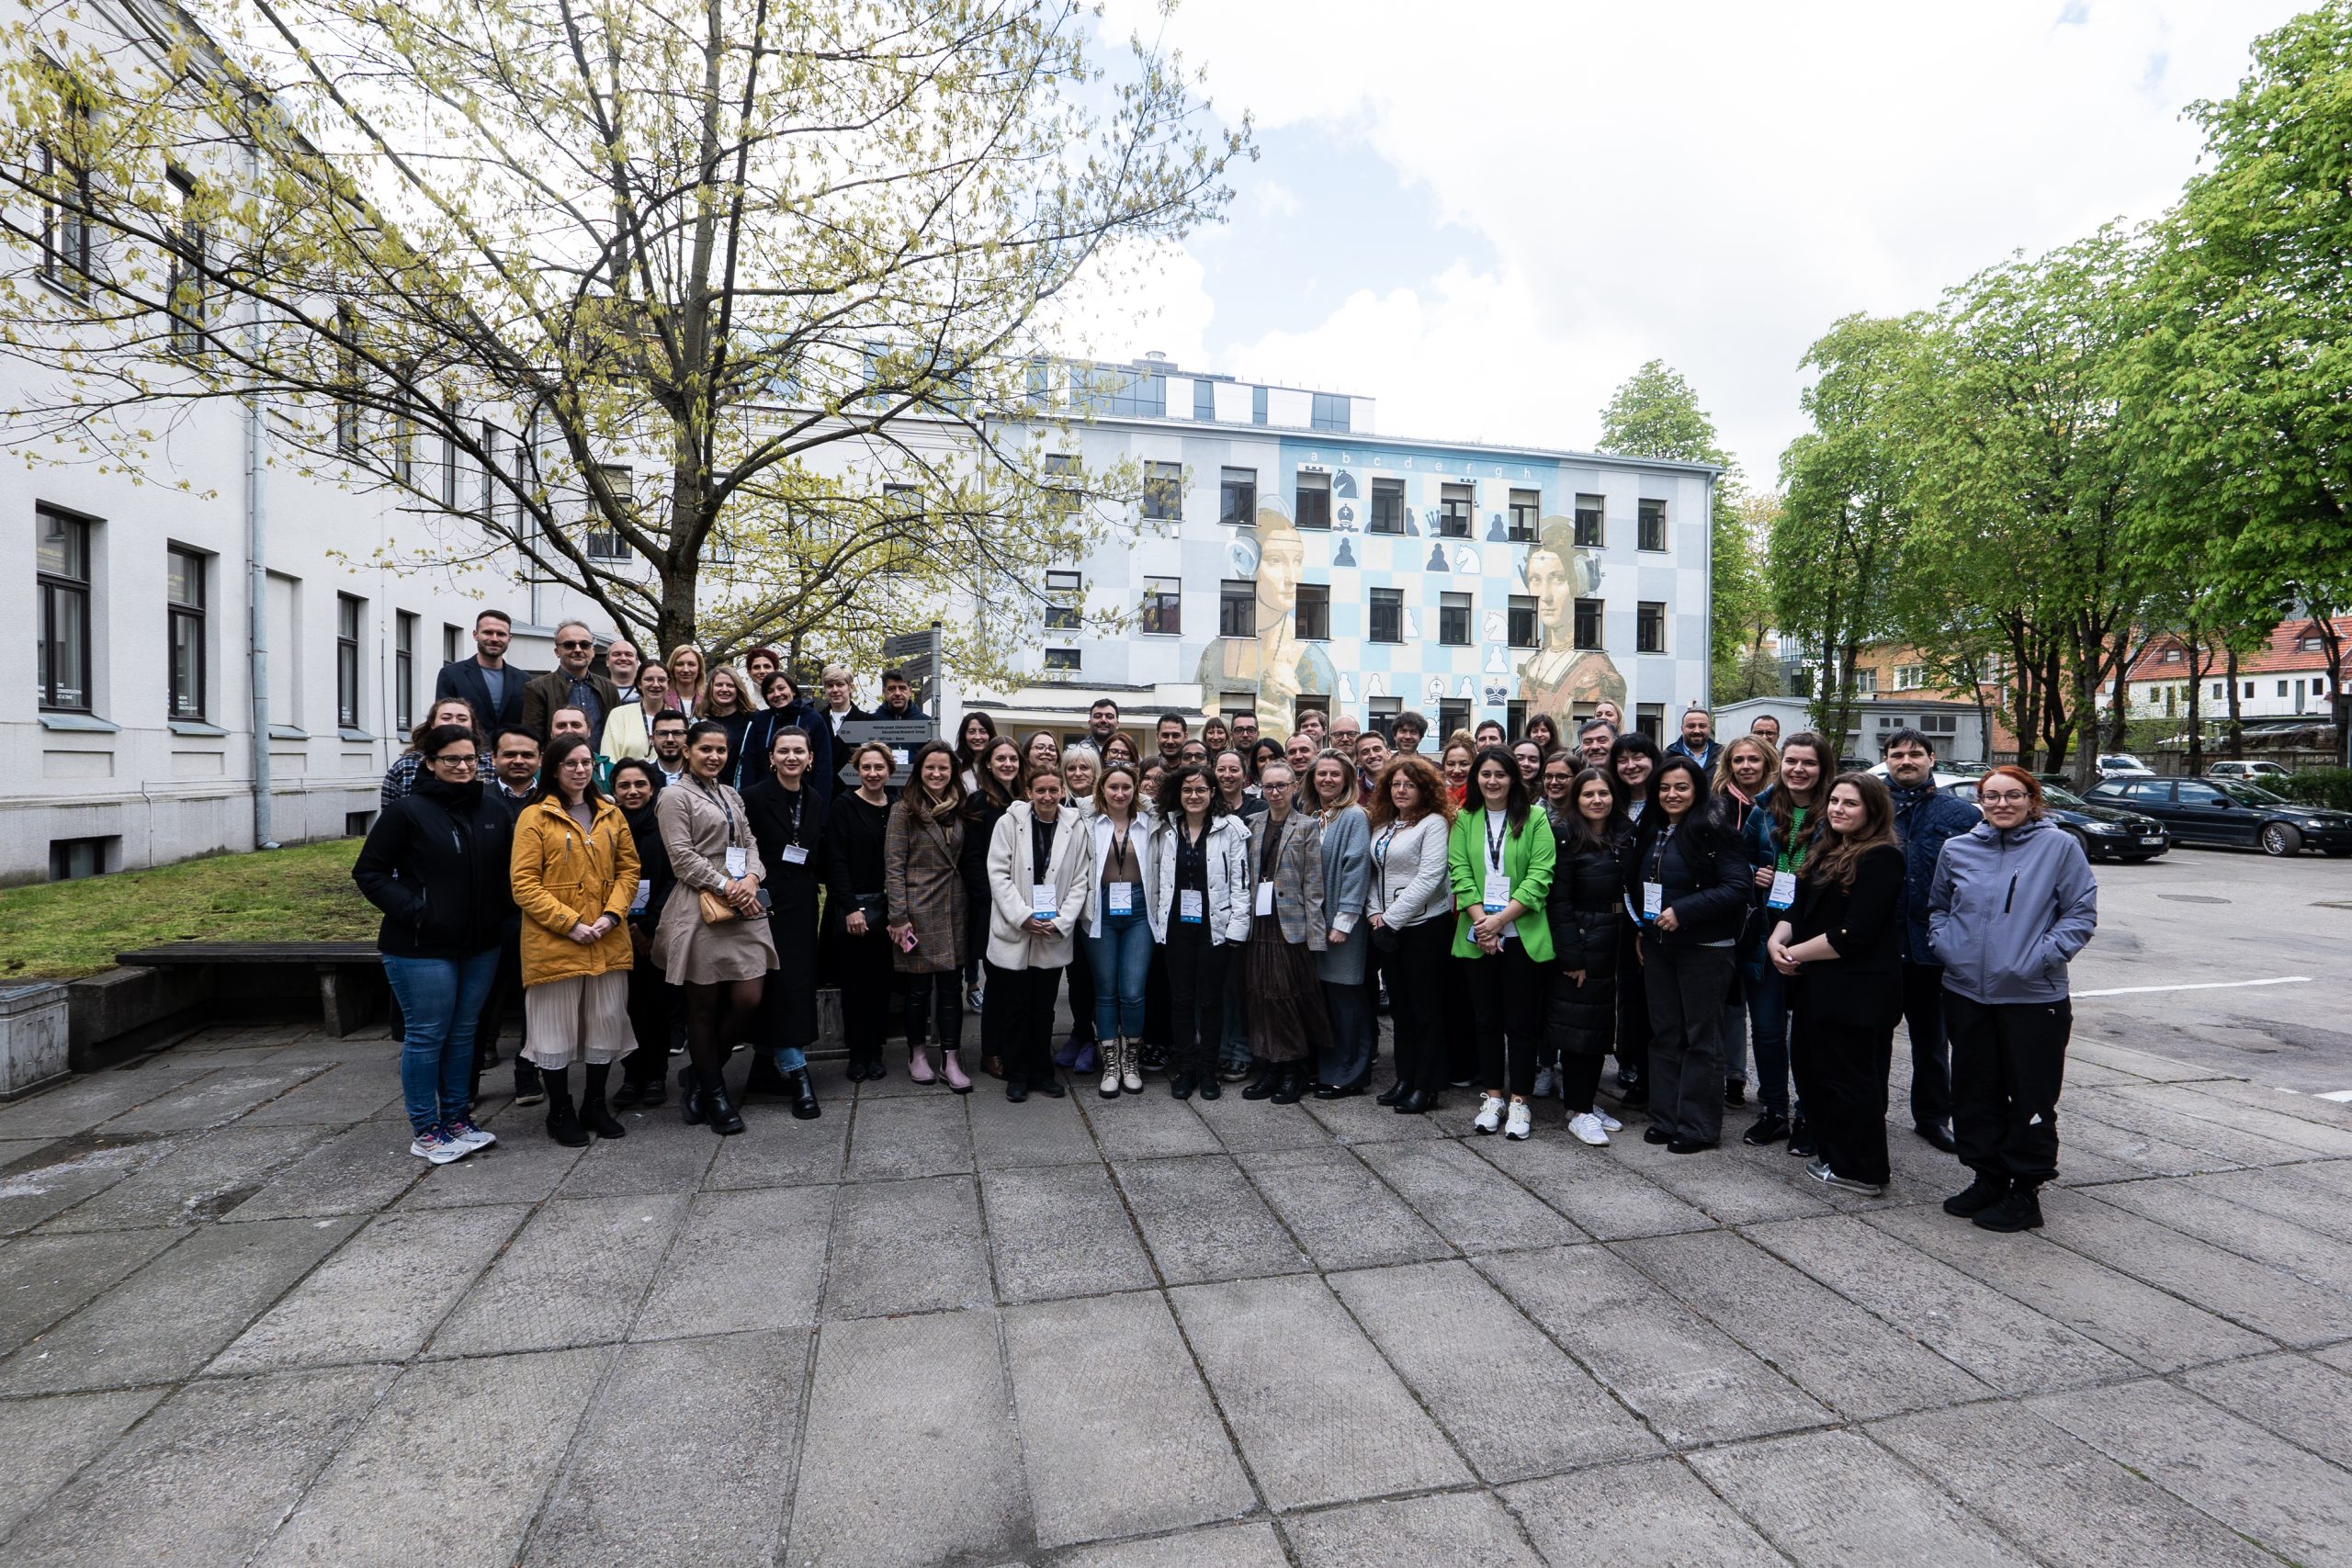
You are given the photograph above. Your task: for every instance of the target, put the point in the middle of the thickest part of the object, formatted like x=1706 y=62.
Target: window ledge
x=196 y=726
x=287 y=732
x=357 y=736
x=82 y=723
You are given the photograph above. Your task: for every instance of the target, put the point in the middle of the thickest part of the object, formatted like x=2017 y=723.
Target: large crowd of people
x=668 y=858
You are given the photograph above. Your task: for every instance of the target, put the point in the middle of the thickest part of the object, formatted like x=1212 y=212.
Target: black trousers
x=2008 y=1060
x=649 y=1001
x=867 y=982
x=1081 y=996
x=505 y=991
x=1841 y=1079
x=1196 y=969
x=1507 y=997
x=1157 y=1000
x=1460 y=1046
x=1685 y=1072
x=1579 y=1076
x=1422 y=973
x=1632 y=1004
x=938 y=998
x=1027 y=1037
x=1923 y=1020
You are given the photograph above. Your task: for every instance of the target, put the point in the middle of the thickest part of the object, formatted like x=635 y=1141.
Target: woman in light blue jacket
x=1346 y=1065
x=2012 y=901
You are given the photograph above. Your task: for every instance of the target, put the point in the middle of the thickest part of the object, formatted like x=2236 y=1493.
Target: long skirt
x=1284 y=1000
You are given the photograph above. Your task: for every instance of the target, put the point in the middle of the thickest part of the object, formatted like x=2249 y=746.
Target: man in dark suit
x=493 y=686
x=571 y=684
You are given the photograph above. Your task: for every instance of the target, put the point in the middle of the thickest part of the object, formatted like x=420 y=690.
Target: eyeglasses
x=574 y=647
x=447 y=762
x=2003 y=797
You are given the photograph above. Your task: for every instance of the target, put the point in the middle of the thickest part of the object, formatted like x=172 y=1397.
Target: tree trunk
x=2236 y=744
x=2196 y=724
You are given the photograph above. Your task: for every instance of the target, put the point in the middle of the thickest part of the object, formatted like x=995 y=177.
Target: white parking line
x=2201 y=986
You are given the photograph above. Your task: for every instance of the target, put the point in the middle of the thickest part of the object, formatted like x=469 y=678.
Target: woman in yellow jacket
x=576 y=877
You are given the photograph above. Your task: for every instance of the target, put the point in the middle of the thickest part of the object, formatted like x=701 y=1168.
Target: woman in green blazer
x=1501 y=853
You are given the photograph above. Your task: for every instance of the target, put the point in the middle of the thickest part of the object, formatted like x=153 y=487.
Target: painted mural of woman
x=1558 y=676
x=1274 y=667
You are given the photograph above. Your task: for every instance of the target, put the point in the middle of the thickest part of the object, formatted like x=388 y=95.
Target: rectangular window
x=2282 y=688
x=1587 y=629
x=66 y=239
x=1313 y=507
x=1257 y=405
x=450 y=642
x=606 y=543
x=1312 y=617
x=1236 y=608
x=1453 y=619
x=1522 y=621
x=1454 y=505
x=1866 y=683
x=404 y=672
x=62 y=562
x=69 y=859
x=1652 y=525
x=2172 y=656
x=1237 y=497
x=346 y=661
x=1205 y=400
x=184 y=600
x=1514 y=719
x=1526 y=511
x=1649 y=626
x=1650 y=719
x=1062 y=660
x=1388 y=506
x=1329 y=412
x=1065 y=600
x=1388 y=614
x=1384 y=717
x=1590 y=510
x=1163 y=606
x=190 y=258
x=1452 y=717
x=1163 y=492
x=1910 y=677
x=348 y=378
x=449 y=454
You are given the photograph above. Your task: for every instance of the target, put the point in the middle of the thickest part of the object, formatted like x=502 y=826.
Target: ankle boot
x=725 y=1119
x=690 y=1096
x=951 y=1067
x=563 y=1123
x=1288 y=1085
x=1130 y=1066
x=1109 y=1088
x=919 y=1064
x=804 y=1096
x=593 y=1115
x=1268 y=1079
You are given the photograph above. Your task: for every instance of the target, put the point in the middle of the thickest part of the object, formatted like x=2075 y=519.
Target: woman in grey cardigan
x=1346 y=1067
x=1288 y=1028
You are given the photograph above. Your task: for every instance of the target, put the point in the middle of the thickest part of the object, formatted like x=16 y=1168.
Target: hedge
x=2317 y=786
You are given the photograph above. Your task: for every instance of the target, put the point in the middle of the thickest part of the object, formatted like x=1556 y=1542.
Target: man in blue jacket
x=1698 y=740
x=1924 y=817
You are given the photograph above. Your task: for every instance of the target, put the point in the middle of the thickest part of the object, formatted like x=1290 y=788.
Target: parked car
x=2105 y=832
x=2230 y=811
x=2111 y=763
x=1943 y=777
x=2254 y=771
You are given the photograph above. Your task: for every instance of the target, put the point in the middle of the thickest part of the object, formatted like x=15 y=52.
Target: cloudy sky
x=1487 y=214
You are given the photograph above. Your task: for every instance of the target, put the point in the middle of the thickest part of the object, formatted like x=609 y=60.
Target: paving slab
x=2263 y=1486
x=745 y=1260
x=1037 y=1132
x=523 y=1167
x=575 y=1275
x=1232 y=1546
x=68 y=1172
x=1319 y=1415
x=901 y=1247
x=1824 y=1344
x=2328 y=1175
x=962 y=1501
x=387 y=1499
x=203 y=1480
x=2153 y=1328
x=2250 y=1233
x=2139 y=1065
x=1473 y=1204
x=381 y=1294
x=684 y=1459
x=1733 y=1185
x=357 y=1171
x=2300 y=1399
x=1594 y=1189
x=1515 y=1405
x=776 y=1151
x=344 y=1093
x=1462 y=1528
x=2085 y=1140
x=2121 y=1108
x=2265 y=1300
x=659 y=1154
x=1111 y=1377
x=2280 y=1101
x=1834 y=1497
x=85 y=1102
x=1247 y=1126
x=47 y=1441
x=192 y=1177
x=2272 y=1122
x=1691 y=1382
x=1061 y=1230
x=1151 y=1126
x=45 y=1277
x=1203 y=1220
x=2282 y=1193
x=1342 y=1213
x=172 y=1316
x=214 y=1100
x=1652 y=1515
x=2004 y=1342
x=925 y=1136
x=1362 y=1119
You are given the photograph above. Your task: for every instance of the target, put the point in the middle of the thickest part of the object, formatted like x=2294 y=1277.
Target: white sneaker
x=467 y=1137
x=1608 y=1123
x=1521 y=1121
x=1490 y=1113
x=1547 y=1082
x=1588 y=1128
x=440 y=1150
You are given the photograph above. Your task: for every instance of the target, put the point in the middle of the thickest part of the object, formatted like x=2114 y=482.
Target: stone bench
x=349 y=976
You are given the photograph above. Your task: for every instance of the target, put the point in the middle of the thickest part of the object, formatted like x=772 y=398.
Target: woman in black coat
x=998 y=786
x=788 y=818
x=437 y=863
x=1585 y=910
x=1841 y=948
x=856 y=825
x=652 y=1002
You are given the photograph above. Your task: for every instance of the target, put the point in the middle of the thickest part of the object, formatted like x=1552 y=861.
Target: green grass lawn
x=69 y=928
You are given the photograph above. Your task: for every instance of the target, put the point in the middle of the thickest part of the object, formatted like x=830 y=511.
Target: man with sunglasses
x=571 y=684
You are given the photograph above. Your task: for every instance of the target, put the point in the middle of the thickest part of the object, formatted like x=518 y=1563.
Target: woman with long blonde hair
x=687 y=666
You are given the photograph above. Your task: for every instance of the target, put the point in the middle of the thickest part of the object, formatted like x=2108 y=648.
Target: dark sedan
x=2231 y=811
x=2105 y=832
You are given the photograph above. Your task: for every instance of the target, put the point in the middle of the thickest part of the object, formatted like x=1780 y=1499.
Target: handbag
x=1384 y=939
x=714 y=910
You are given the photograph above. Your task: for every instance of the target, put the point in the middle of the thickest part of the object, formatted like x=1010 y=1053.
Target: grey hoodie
x=2007 y=911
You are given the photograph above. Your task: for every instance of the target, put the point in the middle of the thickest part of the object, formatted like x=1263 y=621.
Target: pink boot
x=951 y=1066
x=919 y=1064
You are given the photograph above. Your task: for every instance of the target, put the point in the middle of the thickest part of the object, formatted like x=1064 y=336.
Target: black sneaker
x=1769 y=1129
x=2019 y=1209
x=1977 y=1196
x=1735 y=1091
x=1657 y=1134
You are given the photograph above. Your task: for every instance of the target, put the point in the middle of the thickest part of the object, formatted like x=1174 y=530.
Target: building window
x=2309 y=645
x=1587 y=626
x=1649 y=626
x=1236 y=608
x=1062 y=660
x=66 y=239
x=1526 y=510
x=1910 y=677
x=348 y=380
x=1237 y=497
x=1163 y=492
x=449 y=454
x=2282 y=688
x=1650 y=719
x=1313 y=506
x=61 y=560
x=1522 y=621
x=1257 y=405
x=184 y=293
x=404 y=672
x=1866 y=683
x=1590 y=510
x=1384 y=717
x=1388 y=506
x=1205 y=400
x=1313 y=616
x=1453 y=717
x=357 y=823
x=1453 y=619
x=1388 y=614
x=1515 y=720
x=1330 y=411
x=2172 y=656
x=1454 y=504
x=450 y=643
x=183 y=606
x=1065 y=597
x=605 y=543
x=1651 y=529
x=1163 y=606
x=346 y=661
x=69 y=859
x=2218 y=692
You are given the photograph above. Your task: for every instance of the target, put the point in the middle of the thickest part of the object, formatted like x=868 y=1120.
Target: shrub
x=2330 y=787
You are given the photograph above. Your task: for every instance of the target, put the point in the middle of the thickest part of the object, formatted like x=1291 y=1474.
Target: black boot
x=690 y=1097
x=725 y=1120
x=1288 y=1084
x=804 y=1096
x=1269 y=1079
x=593 y=1115
x=1392 y=1094
x=627 y=1095
x=563 y=1123
x=1182 y=1083
x=653 y=1088
x=2019 y=1209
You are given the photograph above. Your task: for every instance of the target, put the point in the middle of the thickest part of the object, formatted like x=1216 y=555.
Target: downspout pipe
x=257 y=576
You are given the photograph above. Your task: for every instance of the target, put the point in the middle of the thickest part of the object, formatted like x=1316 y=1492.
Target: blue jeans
x=1121 y=959
x=1765 y=990
x=440 y=999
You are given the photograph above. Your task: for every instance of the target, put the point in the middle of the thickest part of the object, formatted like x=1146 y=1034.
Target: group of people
x=1230 y=907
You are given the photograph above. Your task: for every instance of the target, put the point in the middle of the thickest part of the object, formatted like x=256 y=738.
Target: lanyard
x=1792 y=853
x=717 y=797
x=1119 y=843
x=800 y=798
x=1657 y=852
x=1495 y=837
